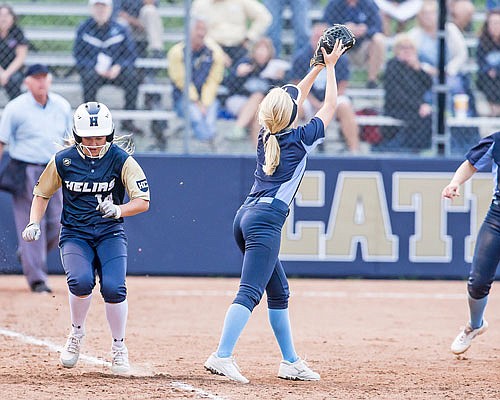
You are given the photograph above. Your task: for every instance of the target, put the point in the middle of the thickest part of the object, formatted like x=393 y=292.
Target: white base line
x=325 y=294
x=96 y=361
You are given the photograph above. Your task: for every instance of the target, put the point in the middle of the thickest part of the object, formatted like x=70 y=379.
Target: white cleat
x=297 y=371
x=71 y=352
x=464 y=339
x=225 y=367
x=119 y=362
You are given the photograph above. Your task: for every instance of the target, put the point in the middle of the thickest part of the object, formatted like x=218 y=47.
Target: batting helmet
x=93 y=119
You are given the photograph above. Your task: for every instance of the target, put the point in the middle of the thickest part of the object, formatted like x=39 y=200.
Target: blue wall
x=188 y=230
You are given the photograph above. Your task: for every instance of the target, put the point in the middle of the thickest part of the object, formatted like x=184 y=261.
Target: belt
x=276 y=203
x=33 y=163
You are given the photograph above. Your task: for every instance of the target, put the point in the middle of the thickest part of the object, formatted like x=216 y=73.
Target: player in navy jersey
x=94 y=174
x=282 y=152
x=487 y=251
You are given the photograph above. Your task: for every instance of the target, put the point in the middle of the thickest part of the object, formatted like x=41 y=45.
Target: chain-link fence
x=131 y=55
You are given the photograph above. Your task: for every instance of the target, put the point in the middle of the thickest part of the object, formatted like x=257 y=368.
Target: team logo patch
x=66 y=162
x=143 y=185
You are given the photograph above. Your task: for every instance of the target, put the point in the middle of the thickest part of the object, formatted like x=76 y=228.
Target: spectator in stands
x=397 y=12
x=406 y=80
x=207 y=71
x=13 y=51
x=488 y=60
x=105 y=54
x=300 y=21
x=363 y=19
x=249 y=80
x=424 y=34
x=461 y=12
x=234 y=24
x=144 y=20
x=344 y=113
x=33 y=125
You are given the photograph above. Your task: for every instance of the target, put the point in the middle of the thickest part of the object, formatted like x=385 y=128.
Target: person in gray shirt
x=33 y=125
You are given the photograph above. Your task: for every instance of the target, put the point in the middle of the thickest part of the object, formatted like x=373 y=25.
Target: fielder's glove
x=109 y=209
x=327 y=41
x=32 y=232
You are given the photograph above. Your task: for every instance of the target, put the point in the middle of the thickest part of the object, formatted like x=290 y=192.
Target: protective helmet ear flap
x=78 y=139
x=110 y=137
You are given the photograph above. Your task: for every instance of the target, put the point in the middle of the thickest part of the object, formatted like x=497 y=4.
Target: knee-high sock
x=476 y=308
x=79 y=308
x=116 y=313
x=236 y=318
x=280 y=322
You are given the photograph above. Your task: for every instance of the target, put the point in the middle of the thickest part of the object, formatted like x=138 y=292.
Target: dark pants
x=13 y=86
x=34 y=254
x=486 y=255
x=82 y=258
x=257 y=231
x=128 y=80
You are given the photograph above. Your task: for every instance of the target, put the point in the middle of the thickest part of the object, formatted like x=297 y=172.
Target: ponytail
x=275 y=112
x=272 y=153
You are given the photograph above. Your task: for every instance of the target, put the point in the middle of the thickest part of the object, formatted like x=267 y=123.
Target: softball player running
x=281 y=161
x=487 y=250
x=94 y=174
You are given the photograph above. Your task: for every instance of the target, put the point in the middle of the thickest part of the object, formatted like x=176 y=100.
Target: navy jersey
x=295 y=145
x=486 y=153
x=88 y=181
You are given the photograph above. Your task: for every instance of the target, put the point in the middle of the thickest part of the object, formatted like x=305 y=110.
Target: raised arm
x=306 y=83
x=327 y=111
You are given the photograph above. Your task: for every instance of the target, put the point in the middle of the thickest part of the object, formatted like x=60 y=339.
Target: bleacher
x=68 y=85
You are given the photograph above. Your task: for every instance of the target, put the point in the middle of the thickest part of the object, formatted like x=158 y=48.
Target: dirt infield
x=367 y=339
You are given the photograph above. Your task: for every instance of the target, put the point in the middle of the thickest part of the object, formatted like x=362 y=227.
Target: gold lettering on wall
x=359 y=214
x=420 y=193
x=301 y=240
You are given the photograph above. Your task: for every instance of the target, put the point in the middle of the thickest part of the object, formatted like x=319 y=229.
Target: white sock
x=79 y=308
x=116 y=313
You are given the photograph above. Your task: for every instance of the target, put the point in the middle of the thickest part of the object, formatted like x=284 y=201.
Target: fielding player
x=487 y=251
x=94 y=173
x=281 y=161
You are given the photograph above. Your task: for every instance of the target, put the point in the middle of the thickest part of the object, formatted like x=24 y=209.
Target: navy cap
x=36 y=69
x=294 y=92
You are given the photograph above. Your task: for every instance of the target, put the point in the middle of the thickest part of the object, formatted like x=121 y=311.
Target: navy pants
x=257 y=231
x=82 y=258
x=486 y=254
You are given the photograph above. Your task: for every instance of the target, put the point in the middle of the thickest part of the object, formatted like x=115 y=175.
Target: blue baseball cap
x=294 y=92
x=36 y=69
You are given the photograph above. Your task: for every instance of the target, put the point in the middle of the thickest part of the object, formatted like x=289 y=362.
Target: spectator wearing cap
x=105 y=53
x=32 y=125
x=13 y=51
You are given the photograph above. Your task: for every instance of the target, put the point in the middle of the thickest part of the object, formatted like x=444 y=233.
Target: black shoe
x=40 y=287
x=371 y=85
x=131 y=128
